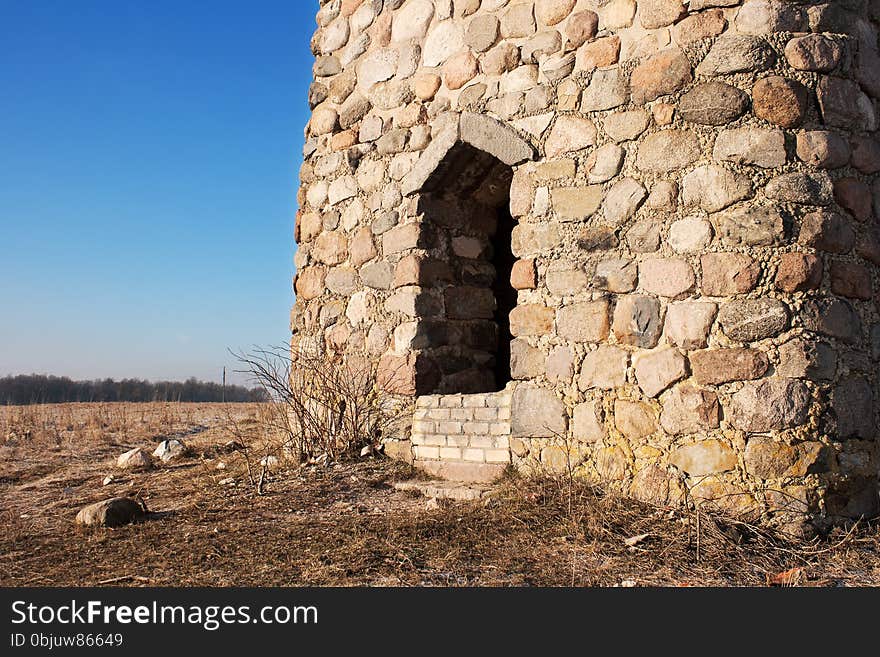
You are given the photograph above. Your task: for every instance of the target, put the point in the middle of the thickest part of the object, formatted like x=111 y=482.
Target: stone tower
x=636 y=236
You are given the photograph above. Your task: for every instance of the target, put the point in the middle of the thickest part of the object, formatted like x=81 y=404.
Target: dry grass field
x=345 y=524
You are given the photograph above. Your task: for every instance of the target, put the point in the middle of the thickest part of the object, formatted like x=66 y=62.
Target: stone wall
x=689 y=195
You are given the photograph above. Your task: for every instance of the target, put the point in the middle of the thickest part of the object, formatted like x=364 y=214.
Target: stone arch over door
x=461 y=184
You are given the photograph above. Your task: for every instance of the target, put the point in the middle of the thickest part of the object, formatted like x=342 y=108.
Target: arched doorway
x=463 y=185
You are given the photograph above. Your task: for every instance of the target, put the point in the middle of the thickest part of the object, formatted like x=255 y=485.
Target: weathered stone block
x=411 y=374
x=565 y=282
x=833 y=317
x=770 y=458
x=604 y=163
x=414 y=302
x=331 y=248
x=643 y=237
x=622 y=200
x=608 y=88
x=827 y=231
x=855 y=196
x=704 y=458
x=581 y=28
x=421 y=270
x=406 y=236
x=754 y=146
x=714 y=188
x=531 y=319
x=713 y=103
x=748 y=320
x=467 y=302
x=814 y=52
x=568 y=134
x=757 y=226
x=843 y=105
x=584 y=322
x=523 y=275
x=699 y=26
x=604 y=368
x=853 y=403
x=634 y=419
x=737 y=53
x=559 y=367
x=666 y=277
x=618 y=275
x=688 y=409
x=533 y=239
x=780 y=101
x=851 y=280
x=717 y=366
x=576 y=203
x=807 y=360
x=822 y=149
x=728 y=274
x=536 y=413
x=769 y=405
x=378 y=275
x=657 y=370
x=526 y=361
x=798 y=272
x=660 y=75
x=688 y=323
x=588 y=422
x=637 y=321
x=668 y=150
x=626 y=126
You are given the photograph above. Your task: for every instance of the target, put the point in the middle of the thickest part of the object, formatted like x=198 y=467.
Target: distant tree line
x=43 y=389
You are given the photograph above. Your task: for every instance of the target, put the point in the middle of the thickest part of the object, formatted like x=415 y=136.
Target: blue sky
x=149 y=154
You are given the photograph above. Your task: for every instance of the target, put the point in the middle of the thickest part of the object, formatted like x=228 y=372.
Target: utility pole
x=224 y=384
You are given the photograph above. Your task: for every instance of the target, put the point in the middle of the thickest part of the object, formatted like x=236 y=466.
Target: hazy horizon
x=150 y=162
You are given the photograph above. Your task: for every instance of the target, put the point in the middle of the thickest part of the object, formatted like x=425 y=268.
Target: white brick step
x=447 y=490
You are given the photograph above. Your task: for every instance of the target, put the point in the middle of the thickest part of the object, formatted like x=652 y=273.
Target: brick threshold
x=447 y=490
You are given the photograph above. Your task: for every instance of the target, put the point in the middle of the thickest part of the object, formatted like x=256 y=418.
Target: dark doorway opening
x=466 y=202
x=505 y=294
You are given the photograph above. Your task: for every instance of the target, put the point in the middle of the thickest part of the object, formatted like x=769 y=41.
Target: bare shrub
x=321 y=407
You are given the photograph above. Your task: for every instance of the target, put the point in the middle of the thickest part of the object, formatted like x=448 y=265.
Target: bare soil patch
x=345 y=525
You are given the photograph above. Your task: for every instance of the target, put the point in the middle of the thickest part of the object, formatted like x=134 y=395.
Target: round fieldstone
x=412 y=21
x=664 y=73
x=748 y=320
x=843 y=105
x=798 y=272
x=697 y=27
x=444 y=40
x=551 y=12
x=780 y=101
x=459 y=70
x=827 y=231
x=823 y=149
x=866 y=154
x=502 y=58
x=771 y=404
x=813 y=52
x=763 y=147
x=713 y=103
x=581 y=27
x=668 y=150
x=806 y=188
x=734 y=53
x=482 y=33
x=660 y=13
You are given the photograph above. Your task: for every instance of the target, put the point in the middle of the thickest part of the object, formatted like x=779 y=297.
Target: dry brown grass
x=346 y=525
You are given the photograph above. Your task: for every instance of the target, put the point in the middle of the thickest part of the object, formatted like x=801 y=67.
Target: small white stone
x=688 y=235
